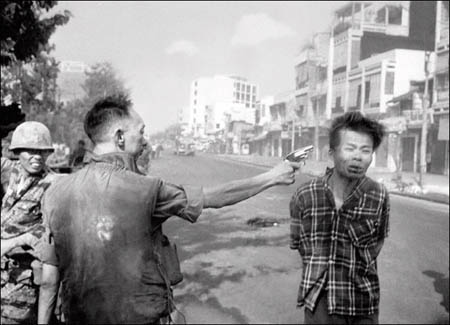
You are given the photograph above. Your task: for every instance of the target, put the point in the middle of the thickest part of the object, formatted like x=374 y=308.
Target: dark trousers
x=320 y=315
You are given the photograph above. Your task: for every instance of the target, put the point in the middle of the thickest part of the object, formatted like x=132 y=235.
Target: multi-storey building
x=259 y=144
x=183 y=119
x=311 y=69
x=211 y=97
x=376 y=50
x=275 y=136
x=363 y=29
x=440 y=133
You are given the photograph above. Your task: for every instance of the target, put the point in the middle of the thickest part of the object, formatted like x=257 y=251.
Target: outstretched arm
x=240 y=190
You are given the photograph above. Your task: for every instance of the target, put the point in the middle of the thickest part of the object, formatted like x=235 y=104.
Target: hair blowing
x=103 y=113
x=356 y=122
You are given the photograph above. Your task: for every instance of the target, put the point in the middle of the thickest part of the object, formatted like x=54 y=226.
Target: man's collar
x=359 y=186
x=120 y=159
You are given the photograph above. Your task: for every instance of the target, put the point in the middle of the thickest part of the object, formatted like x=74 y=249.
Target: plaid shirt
x=339 y=248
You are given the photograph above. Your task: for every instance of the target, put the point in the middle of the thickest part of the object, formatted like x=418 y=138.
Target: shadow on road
x=441 y=285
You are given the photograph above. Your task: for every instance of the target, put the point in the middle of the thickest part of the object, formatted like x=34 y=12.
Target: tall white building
x=212 y=97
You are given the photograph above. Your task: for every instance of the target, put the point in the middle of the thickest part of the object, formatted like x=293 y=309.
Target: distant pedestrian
x=338 y=224
x=77 y=157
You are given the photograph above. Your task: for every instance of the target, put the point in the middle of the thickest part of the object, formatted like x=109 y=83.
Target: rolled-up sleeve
x=184 y=201
x=47 y=243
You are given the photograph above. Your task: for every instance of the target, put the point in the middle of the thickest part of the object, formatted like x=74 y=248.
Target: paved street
x=237 y=273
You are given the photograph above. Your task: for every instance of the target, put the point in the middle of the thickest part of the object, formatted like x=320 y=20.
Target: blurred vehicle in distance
x=185 y=149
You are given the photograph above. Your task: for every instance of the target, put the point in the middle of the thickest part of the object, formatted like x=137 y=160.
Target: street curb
x=412 y=196
x=310 y=174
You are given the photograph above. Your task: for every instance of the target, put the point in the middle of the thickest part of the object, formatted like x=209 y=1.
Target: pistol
x=299 y=154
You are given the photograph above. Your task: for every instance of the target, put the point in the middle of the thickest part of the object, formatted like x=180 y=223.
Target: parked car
x=185 y=149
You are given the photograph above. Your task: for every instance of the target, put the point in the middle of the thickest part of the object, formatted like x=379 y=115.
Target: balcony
x=413 y=117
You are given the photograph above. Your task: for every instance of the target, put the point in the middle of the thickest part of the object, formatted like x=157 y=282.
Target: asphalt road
x=237 y=273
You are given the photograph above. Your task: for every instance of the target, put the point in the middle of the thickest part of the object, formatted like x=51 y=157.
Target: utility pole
x=423 y=144
x=293 y=136
x=316 y=128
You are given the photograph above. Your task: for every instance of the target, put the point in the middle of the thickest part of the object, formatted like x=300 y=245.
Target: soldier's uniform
x=20 y=214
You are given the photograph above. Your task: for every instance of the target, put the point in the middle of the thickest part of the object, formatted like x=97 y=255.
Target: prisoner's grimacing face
x=32 y=160
x=353 y=155
x=133 y=134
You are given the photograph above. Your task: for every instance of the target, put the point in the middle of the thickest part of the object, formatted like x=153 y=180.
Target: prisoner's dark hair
x=105 y=111
x=356 y=122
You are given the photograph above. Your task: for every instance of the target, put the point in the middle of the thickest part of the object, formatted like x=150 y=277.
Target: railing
x=413 y=115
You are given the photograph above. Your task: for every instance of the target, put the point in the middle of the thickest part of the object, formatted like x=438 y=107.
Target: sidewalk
x=436 y=187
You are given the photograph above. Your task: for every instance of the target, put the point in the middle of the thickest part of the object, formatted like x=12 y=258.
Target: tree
x=25 y=30
x=24 y=39
x=66 y=123
x=102 y=81
x=32 y=84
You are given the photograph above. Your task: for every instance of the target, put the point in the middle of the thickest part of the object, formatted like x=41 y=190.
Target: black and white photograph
x=224 y=162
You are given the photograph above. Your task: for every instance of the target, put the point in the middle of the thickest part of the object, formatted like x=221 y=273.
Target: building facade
x=212 y=96
x=439 y=133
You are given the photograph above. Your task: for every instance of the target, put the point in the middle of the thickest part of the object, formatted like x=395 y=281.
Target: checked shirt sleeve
x=383 y=230
x=296 y=210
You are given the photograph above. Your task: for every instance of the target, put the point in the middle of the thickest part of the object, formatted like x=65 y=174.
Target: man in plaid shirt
x=338 y=225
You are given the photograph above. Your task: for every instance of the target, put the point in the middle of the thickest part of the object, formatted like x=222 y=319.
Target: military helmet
x=31 y=135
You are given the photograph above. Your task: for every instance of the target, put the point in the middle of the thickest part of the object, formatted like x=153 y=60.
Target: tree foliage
x=102 y=80
x=66 y=124
x=32 y=84
x=28 y=72
x=26 y=28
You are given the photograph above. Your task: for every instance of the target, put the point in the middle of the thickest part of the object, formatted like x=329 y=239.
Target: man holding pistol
x=105 y=225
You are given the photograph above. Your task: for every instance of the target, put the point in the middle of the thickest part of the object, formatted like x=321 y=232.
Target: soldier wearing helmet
x=25 y=181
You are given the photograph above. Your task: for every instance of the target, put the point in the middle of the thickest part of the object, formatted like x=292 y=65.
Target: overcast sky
x=158 y=48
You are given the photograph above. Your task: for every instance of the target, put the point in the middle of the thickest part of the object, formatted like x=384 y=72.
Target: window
x=367 y=93
x=217 y=126
x=358 y=97
x=243 y=87
x=238 y=96
x=247 y=97
x=381 y=16
x=247 y=105
x=338 y=102
x=254 y=89
x=248 y=88
x=253 y=105
x=236 y=85
x=195 y=102
x=394 y=15
x=254 y=98
x=195 y=111
x=195 y=93
x=389 y=84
